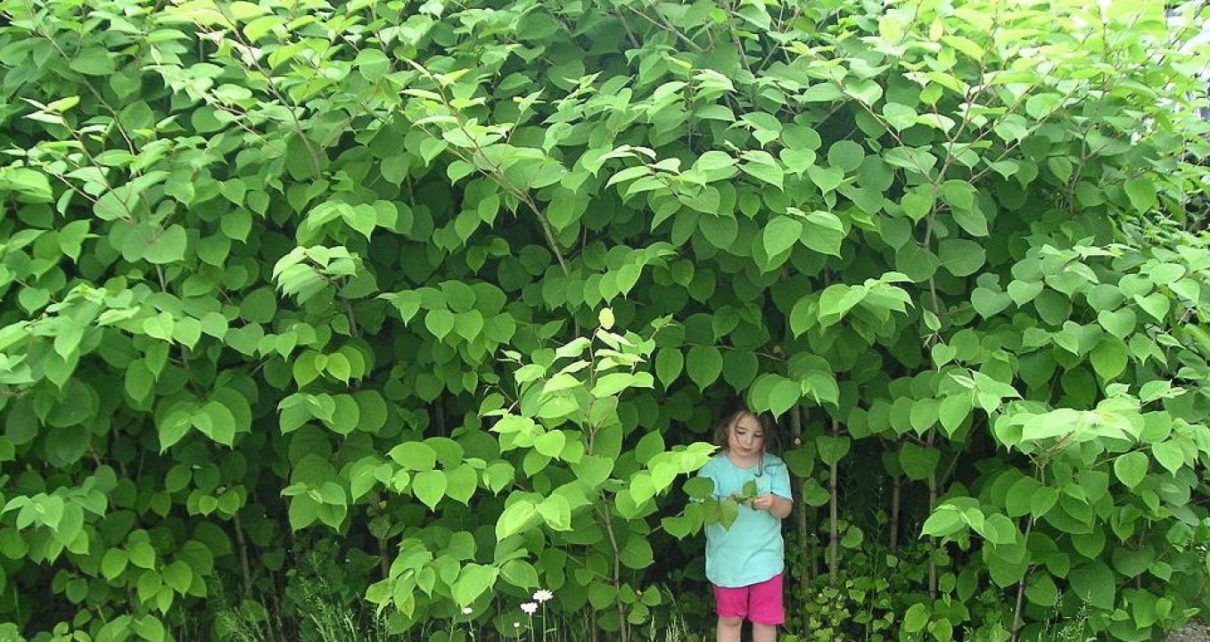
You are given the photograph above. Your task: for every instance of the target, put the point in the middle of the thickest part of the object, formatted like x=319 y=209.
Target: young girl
x=745 y=562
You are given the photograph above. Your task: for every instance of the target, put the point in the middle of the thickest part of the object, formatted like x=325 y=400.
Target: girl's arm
x=781 y=507
x=777 y=505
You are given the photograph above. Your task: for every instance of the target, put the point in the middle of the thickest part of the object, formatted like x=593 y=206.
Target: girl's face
x=746 y=438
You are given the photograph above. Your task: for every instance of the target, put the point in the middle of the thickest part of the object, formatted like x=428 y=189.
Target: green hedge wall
x=448 y=293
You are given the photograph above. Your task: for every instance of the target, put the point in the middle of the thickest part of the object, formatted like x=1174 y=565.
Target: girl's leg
x=764 y=632
x=728 y=628
x=767 y=610
x=731 y=605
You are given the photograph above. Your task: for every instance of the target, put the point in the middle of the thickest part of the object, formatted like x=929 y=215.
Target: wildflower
x=516 y=625
x=466 y=610
x=530 y=608
x=543 y=595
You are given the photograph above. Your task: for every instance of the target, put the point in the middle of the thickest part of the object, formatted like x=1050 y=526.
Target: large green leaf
x=474 y=580
x=781 y=234
x=1094 y=583
x=704 y=364
x=1131 y=468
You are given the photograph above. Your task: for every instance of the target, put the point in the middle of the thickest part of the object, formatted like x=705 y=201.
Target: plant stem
x=243 y=555
x=895 y=498
x=833 y=515
x=617 y=572
x=932 y=505
x=384 y=559
x=1021 y=589
x=800 y=518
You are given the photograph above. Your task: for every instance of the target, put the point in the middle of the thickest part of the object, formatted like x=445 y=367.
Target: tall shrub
x=455 y=289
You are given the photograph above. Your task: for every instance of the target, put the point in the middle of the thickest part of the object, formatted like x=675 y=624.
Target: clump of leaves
x=275 y=278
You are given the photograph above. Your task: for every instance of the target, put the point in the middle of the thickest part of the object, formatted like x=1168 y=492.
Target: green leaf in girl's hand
x=748 y=492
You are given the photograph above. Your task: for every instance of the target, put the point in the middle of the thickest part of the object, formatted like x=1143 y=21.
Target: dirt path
x=1193 y=632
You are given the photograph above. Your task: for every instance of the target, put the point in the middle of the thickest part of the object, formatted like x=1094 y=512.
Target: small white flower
x=466 y=610
x=530 y=608
x=543 y=595
x=516 y=625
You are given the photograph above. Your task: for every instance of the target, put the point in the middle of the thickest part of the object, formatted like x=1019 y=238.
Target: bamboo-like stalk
x=384 y=557
x=833 y=516
x=1017 y=622
x=439 y=417
x=932 y=506
x=812 y=557
x=896 y=491
x=617 y=573
x=800 y=515
x=245 y=568
x=275 y=608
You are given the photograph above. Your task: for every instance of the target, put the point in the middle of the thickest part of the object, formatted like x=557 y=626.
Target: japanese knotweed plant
x=279 y=276
x=578 y=517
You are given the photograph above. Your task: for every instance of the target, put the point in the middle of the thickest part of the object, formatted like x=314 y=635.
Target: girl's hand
x=763 y=502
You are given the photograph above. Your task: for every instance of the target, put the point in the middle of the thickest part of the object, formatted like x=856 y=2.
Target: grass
x=1073 y=630
x=324 y=615
x=328 y=620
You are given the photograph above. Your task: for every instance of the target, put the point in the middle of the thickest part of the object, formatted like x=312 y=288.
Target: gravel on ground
x=1193 y=632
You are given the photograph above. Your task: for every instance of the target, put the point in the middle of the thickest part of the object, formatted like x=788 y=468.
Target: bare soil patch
x=1193 y=632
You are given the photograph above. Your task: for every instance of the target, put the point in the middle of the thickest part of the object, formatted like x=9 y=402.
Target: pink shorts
x=761 y=603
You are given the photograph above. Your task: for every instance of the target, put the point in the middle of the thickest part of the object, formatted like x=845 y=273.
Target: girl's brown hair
x=736 y=409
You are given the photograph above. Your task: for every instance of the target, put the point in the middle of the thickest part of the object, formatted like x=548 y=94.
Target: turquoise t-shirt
x=752 y=550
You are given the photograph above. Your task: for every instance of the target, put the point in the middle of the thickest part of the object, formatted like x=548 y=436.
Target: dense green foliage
x=451 y=292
